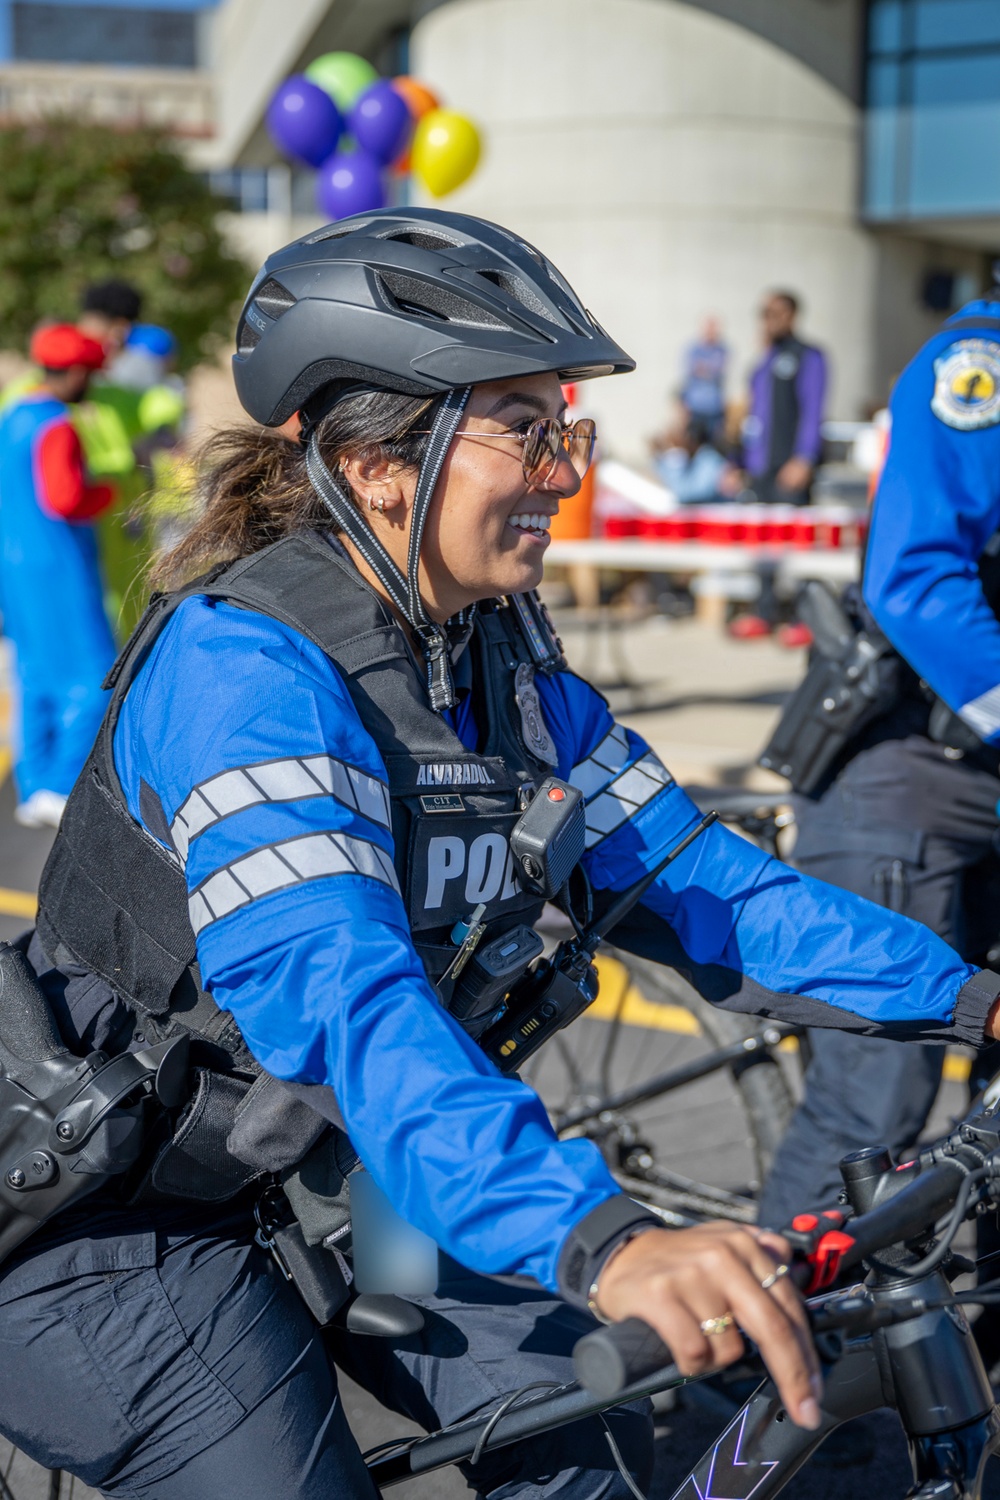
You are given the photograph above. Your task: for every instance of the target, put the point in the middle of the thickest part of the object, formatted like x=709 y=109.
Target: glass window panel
x=957 y=23
x=103 y=34
x=955 y=163
x=885 y=26
x=883 y=124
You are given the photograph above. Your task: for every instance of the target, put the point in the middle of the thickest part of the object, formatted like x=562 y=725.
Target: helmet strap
x=404 y=591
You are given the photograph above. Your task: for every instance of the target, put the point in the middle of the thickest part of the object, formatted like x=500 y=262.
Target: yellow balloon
x=446 y=147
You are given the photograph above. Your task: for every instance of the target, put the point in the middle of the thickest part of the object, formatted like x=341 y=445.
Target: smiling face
x=487 y=529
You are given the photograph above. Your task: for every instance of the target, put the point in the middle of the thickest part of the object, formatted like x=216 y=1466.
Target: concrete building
x=674 y=157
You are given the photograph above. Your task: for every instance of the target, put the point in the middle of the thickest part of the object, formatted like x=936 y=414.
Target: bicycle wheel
x=699 y=1151
x=22 y=1479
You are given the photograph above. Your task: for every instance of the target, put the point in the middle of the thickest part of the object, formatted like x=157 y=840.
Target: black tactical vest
x=114 y=903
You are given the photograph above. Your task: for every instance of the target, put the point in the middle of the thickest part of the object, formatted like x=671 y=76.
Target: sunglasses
x=545 y=442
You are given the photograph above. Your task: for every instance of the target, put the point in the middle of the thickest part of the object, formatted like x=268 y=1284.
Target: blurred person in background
x=689 y=464
x=108 y=310
x=781 y=434
x=53 y=605
x=146 y=398
x=781 y=439
x=703 y=388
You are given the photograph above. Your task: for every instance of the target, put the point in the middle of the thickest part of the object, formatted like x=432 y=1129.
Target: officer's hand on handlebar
x=678 y=1281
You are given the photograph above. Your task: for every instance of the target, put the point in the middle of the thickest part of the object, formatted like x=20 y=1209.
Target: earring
x=378 y=504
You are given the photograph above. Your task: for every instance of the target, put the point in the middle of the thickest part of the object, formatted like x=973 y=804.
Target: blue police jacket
x=937 y=505
x=326 y=986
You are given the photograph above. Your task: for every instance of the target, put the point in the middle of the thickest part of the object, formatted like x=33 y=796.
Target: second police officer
x=907 y=814
x=312 y=761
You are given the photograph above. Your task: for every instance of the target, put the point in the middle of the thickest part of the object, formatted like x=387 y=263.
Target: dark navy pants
x=162 y=1356
x=917 y=831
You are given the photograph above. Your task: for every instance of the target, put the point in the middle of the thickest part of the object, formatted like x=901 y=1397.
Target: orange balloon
x=419 y=99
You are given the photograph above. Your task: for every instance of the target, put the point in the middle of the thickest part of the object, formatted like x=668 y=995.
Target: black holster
x=67 y=1125
x=854 y=677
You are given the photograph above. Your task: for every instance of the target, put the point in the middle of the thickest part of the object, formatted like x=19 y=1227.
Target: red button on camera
x=556 y=794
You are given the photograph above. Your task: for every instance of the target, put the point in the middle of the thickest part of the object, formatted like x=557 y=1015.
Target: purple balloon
x=380 y=121
x=349 y=183
x=303 y=121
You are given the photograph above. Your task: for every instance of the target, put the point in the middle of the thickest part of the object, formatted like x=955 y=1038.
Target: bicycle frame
x=761 y=1450
x=915 y=1352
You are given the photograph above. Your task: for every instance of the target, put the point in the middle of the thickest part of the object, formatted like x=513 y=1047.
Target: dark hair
x=253 y=489
x=697 y=431
x=790 y=300
x=115 y=299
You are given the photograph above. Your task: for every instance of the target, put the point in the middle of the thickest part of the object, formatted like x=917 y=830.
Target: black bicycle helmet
x=415 y=300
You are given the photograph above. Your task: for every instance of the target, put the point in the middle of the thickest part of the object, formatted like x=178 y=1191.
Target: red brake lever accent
x=825 y=1259
x=820 y=1244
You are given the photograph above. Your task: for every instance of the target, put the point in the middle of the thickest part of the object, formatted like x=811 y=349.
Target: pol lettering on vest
x=487 y=865
x=454 y=773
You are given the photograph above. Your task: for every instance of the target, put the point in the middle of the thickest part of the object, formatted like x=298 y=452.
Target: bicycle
x=602 y=1079
x=898 y=1340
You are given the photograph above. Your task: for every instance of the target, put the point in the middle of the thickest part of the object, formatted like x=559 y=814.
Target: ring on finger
x=712 y=1326
x=775 y=1277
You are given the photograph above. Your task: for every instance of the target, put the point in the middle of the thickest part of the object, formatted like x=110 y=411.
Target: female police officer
x=311 y=762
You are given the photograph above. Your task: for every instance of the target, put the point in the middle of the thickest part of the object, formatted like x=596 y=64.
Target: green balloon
x=344 y=75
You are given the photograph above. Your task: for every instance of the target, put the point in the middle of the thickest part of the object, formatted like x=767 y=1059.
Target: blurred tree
x=81 y=203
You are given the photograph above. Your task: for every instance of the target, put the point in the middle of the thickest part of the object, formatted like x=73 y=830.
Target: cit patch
x=967 y=385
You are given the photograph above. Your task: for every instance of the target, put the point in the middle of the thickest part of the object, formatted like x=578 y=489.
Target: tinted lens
x=541 y=449
x=580 y=440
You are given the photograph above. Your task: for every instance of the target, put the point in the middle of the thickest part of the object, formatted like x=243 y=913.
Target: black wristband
x=589 y=1243
x=973 y=1004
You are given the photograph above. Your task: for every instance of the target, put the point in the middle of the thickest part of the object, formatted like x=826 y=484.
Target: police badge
x=534 y=730
x=967 y=385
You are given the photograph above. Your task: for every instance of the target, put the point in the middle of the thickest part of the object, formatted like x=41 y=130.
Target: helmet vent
x=273 y=299
x=247 y=339
x=333 y=232
x=519 y=290
x=425 y=300
x=424 y=239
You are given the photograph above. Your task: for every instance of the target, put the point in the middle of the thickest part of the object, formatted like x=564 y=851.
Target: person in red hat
x=50 y=584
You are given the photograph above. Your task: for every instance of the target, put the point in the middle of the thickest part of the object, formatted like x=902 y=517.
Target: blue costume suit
x=214 y=1369
x=53 y=611
x=909 y=821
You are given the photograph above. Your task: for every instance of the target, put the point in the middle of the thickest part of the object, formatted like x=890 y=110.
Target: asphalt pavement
x=706 y=705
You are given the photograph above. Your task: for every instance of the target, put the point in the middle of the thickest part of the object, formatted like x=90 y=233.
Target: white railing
x=178 y=99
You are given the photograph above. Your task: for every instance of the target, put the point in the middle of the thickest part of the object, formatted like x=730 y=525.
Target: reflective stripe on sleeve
x=625 y=796
x=983 y=713
x=602 y=764
x=275 y=867
x=287 y=780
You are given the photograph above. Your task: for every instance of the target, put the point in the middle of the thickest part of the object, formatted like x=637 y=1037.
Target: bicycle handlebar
x=620 y=1354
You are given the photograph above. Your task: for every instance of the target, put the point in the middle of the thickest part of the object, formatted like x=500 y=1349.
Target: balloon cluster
x=354 y=127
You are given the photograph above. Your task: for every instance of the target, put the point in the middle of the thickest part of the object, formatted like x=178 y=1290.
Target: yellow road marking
x=636 y=1010
x=17 y=903
x=5 y=763
x=956 y=1067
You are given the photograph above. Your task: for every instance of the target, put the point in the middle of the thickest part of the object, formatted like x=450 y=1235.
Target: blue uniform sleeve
x=752 y=933
x=938 y=504
x=239 y=747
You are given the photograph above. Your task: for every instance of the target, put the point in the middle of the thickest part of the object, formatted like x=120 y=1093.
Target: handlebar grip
x=611 y=1358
